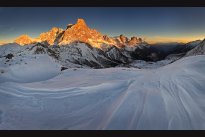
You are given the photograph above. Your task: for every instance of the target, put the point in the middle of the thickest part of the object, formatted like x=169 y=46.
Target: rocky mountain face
x=78 y=32
x=52 y=36
x=81 y=32
x=24 y=40
x=82 y=46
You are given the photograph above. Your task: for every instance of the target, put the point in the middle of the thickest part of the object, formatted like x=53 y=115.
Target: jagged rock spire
x=77 y=32
x=81 y=22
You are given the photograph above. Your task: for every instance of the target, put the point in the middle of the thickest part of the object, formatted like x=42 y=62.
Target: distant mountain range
x=78 y=32
x=80 y=46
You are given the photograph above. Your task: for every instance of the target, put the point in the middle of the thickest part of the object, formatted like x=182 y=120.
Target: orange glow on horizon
x=160 y=39
x=6 y=41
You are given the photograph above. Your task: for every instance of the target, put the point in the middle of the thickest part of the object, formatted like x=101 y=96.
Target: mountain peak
x=81 y=22
x=78 y=32
x=55 y=29
x=24 y=40
x=23 y=36
x=51 y=35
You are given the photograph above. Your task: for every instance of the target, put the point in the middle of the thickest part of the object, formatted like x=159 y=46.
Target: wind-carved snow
x=29 y=68
x=169 y=97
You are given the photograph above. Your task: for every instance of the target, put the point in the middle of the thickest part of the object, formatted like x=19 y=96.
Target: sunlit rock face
x=51 y=36
x=79 y=32
x=24 y=40
x=2 y=43
x=123 y=39
x=133 y=41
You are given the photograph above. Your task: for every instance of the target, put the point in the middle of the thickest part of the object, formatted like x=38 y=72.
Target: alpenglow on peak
x=79 y=32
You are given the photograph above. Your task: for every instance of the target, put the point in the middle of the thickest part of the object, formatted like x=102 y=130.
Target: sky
x=153 y=24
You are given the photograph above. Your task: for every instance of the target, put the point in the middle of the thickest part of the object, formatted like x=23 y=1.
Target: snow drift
x=169 y=97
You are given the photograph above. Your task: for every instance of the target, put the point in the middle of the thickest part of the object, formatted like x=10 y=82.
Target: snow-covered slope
x=13 y=48
x=170 y=97
x=76 y=54
x=180 y=50
x=141 y=64
x=85 y=55
x=198 y=50
x=29 y=68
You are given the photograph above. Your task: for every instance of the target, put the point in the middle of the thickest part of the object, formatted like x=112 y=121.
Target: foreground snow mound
x=29 y=69
x=170 y=97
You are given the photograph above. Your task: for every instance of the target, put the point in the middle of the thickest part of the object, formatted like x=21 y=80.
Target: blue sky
x=151 y=23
